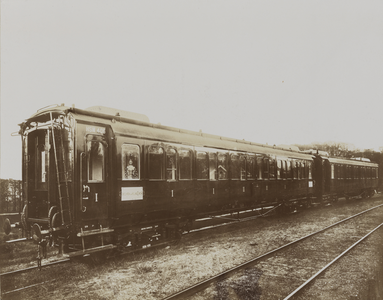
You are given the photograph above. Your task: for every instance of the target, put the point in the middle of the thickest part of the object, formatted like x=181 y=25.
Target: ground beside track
x=158 y=273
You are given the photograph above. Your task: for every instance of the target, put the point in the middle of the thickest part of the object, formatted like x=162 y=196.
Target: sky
x=275 y=72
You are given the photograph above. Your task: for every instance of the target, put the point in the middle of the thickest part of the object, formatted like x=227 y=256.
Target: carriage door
x=94 y=169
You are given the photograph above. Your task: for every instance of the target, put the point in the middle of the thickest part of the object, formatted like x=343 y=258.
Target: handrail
x=52 y=105
x=83 y=208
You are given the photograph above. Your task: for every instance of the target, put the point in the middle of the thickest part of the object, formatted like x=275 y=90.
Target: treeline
x=10 y=196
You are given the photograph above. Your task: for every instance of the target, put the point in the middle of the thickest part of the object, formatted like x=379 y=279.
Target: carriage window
x=185 y=164
x=202 y=165
x=235 y=166
x=41 y=161
x=295 y=169
x=156 y=163
x=130 y=162
x=96 y=160
x=265 y=166
x=310 y=170
x=222 y=166
x=376 y=173
x=242 y=165
x=272 y=169
x=213 y=166
x=332 y=171
x=288 y=169
x=303 y=170
x=250 y=164
x=171 y=164
x=279 y=169
x=259 y=167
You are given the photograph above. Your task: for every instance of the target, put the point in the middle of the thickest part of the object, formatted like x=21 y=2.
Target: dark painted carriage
x=99 y=178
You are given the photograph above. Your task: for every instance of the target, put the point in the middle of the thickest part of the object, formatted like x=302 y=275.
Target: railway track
x=228 y=219
x=202 y=224
x=192 y=290
x=18 y=272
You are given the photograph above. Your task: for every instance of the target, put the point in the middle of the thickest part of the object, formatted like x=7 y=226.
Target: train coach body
x=90 y=174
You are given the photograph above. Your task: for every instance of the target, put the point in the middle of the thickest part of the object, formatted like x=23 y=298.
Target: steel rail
x=204 y=284
x=234 y=221
x=27 y=287
x=35 y=267
x=300 y=288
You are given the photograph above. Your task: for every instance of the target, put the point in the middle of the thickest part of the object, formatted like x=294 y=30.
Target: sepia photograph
x=221 y=150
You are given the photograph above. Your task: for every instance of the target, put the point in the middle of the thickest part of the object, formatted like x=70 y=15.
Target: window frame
x=138 y=167
x=180 y=172
x=101 y=141
x=163 y=162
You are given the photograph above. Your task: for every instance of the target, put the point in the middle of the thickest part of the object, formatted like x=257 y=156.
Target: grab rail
x=82 y=155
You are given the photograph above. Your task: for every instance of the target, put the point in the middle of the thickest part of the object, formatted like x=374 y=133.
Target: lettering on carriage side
x=95 y=129
x=132 y=193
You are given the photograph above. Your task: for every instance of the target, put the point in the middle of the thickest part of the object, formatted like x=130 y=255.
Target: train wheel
x=7 y=226
x=36 y=233
x=52 y=211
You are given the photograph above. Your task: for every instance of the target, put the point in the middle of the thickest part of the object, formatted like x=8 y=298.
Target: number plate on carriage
x=132 y=193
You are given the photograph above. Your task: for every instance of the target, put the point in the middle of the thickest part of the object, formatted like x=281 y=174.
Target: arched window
x=250 y=167
x=213 y=166
x=156 y=163
x=242 y=166
x=222 y=166
x=235 y=167
x=96 y=159
x=202 y=167
x=130 y=158
x=185 y=164
x=171 y=164
x=272 y=168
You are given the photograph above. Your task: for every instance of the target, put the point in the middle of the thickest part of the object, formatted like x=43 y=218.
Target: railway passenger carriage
x=99 y=178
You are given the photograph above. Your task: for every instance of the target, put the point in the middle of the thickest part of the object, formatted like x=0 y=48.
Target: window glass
x=222 y=166
x=96 y=158
x=235 y=166
x=284 y=169
x=299 y=167
x=266 y=166
x=288 y=169
x=260 y=167
x=213 y=166
x=156 y=163
x=202 y=165
x=294 y=166
x=242 y=166
x=130 y=162
x=303 y=170
x=309 y=170
x=272 y=168
x=42 y=146
x=279 y=169
x=332 y=171
x=185 y=164
x=250 y=164
x=171 y=164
